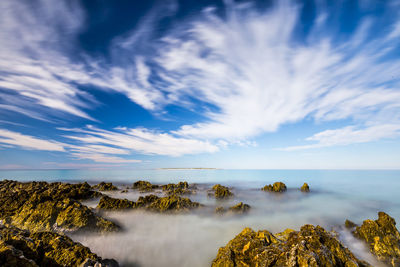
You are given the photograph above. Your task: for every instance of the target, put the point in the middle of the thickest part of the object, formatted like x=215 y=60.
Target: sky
x=213 y=84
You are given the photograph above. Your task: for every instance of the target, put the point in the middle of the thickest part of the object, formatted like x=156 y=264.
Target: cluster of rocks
x=311 y=246
x=279 y=187
x=221 y=192
x=172 y=203
x=144 y=186
x=181 y=188
x=239 y=208
x=103 y=186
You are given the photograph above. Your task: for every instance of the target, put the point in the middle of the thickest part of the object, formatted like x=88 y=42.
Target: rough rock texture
x=40 y=206
x=109 y=203
x=23 y=248
x=305 y=188
x=221 y=192
x=382 y=237
x=144 y=186
x=240 y=208
x=105 y=187
x=166 y=204
x=349 y=224
x=277 y=187
x=311 y=246
x=181 y=188
x=220 y=210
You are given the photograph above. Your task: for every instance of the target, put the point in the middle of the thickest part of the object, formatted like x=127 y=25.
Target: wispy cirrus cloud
x=28 y=142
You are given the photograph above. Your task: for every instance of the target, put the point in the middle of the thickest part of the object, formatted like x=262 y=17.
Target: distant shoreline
x=188 y=169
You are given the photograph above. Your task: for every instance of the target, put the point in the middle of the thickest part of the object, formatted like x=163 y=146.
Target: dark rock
x=39 y=206
x=349 y=224
x=311 y=246
x=23 y=248
x=221 y=192
x=105 y=187
x=305 y=188
x=240 y=208
x=109 y=203
x=144 y=186
x=181 y=188
x=277 y=187
x=382 y=237
x=220 y=210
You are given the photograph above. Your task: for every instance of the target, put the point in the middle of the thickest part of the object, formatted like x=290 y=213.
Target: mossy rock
x=109 y=203
x=221 y=192
x=181 y=188
x=103 y=186
x=144 y=186
x=305 y=188
x=349 y=224
x=311 y=246
x=240 y=208
x=220 y=210
x=382 y=237
x=277 y=187
x=172 y=204
x=23 y=248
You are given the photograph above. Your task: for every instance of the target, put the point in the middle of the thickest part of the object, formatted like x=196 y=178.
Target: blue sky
x=225 y=84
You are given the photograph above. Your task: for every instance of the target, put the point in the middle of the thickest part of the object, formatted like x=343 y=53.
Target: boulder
x=277 y=187
x=144 y=186
x=105 y=187
x=221 y=192
x=311 y=246
x=240 y=208
x=305 y=188
x=23 y=248
x=181 y=188
x=382 y=237
x=220 y=210
x=109 y=203
x=349 y=224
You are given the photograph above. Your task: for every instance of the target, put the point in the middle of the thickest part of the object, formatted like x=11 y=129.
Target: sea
x=193 y=239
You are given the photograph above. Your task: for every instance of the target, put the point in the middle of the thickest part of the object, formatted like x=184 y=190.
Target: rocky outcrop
x=40 y=206
x=109 y=203
x=382 y=237
x=221 y=192
x=103 y=186
x=181 y=188
x=305 y=188
x=144 y=186
x=311 y=246
x=23 y=248
x=277 y=187
x=240 y=208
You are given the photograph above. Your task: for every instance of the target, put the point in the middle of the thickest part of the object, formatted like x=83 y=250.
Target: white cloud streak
x=28 y=142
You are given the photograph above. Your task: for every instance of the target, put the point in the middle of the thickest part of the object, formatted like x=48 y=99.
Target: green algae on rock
x=39 y=206
x=220 y=210
x=109 y=203
x=23 y=248
x=305 y=188
x=221 y=192
x=240 y=208
x=144 y=186
x=181 y=188
x=103 y=186
x=277 y=187
x=311 y=246
x=349 y=224
x=172 y=203
x=382 y=237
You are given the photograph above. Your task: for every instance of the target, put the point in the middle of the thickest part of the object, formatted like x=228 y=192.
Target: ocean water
x=193 y=239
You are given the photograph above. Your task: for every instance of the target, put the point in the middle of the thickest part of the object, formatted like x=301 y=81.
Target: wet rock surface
x=240 y=208
x=382 y=237
x=221 y=192
x=311 y=246
x=41 y=206
x=181 y=188
x=144 y=186
x=103 y=186
x=23 y=248
x=109 y=203
x=277 y=187
x=305 y=188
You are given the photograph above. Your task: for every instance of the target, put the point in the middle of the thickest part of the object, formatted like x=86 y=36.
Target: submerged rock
x=105 y=187
x=23 y=248
x=305 y=188
x=311 y=246
x=240 y=208
x=277 y=187
x=220 y=210
x=39 y=206
x=221 y=192
x=144 y=186
x=109 y=203
x=382 y=237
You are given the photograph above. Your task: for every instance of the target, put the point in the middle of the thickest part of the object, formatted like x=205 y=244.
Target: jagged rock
x=105 y=187
x=382 y=237
x=220 y=210
x=349 y=224
x=221 y=192
x=144 y=186
x=109 y=203
x=181 y=188
x=23 y=248
x=39 y=206
x=305 y=188
x=169 y=204
x=311 y=246
x=277 y=187
x=240 y=208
